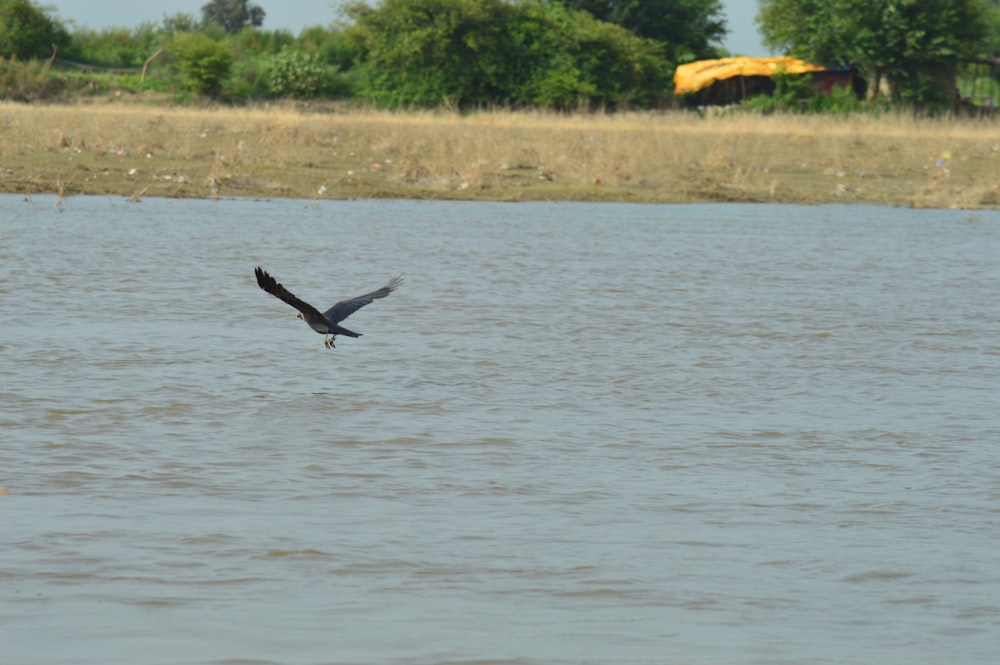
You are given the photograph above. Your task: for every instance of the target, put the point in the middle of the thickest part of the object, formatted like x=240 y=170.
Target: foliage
x=27 y=31
x=332 y=46
x=795 y=93
x=993 y=28
x=483 y=52
x=687 y=28
x=914 y=44
x=114 y=47
x=574 y=58
x=292 y=71
x=27 y=81
x=424 y=51
x=247 y=79
x=254 y=41
x=204 y=62
x=980 y=84
x=180 y=22
x=297 y=74
x=232 y=15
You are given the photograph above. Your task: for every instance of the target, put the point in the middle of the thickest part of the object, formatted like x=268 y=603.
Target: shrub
x=27 y=81
x=296 y=74
x=795 y=93
x=204 y=62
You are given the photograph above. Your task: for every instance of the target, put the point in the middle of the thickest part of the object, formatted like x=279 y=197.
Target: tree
x=687 y=28
x=180 y=22
x=232 y=15
x=481 y=52
x=915 y=45
x=204 y=61
x=27 y=31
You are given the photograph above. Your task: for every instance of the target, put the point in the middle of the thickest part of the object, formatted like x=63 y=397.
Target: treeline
x=561 y=54
x=462 y=53
x=181 y=55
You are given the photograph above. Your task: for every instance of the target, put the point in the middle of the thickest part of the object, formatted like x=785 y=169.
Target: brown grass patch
x=650 y=157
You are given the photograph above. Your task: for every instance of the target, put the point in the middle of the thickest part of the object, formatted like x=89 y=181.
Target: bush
x=795 y=93
x=27 y=82
x=297 y=74
x=248 y=79
x=205 y=62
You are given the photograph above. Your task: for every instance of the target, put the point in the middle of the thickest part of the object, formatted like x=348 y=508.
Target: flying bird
x=327 y=322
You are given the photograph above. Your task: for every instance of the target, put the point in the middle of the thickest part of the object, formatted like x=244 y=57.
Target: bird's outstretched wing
x=272 y=286
x=345 y=308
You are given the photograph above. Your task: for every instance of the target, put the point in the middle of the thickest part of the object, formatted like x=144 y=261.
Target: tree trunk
x=145 y=65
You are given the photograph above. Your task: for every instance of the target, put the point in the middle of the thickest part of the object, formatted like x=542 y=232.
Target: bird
x=327 y=322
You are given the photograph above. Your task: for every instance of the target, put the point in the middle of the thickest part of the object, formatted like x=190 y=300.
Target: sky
x=294 y=15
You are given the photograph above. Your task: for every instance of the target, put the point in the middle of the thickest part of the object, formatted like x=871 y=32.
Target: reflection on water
x=578 y=433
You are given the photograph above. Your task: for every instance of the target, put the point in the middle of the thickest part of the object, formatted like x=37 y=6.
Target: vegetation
x=687 y=29
x=232 y=15
x=27 y=82
x=488 y=52
x=135 y=150
x=204 y=61
x=519 y=54
x=298 y=74
x=27 y=31
x=915 y=45
x=796 y=94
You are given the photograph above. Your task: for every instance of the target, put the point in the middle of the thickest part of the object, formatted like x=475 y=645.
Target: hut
x=729 y=80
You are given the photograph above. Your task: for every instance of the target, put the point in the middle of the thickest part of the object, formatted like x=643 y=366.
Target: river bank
x=137 y=150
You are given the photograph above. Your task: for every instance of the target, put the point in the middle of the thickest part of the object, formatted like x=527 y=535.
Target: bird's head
x=301 y=317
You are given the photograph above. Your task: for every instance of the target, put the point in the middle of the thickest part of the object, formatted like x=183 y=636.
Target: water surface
x=579 y=433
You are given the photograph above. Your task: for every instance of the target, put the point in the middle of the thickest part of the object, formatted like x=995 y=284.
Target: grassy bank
x=143 y=150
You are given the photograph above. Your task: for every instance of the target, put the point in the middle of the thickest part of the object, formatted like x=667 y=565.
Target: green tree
x=27 y=31
x=205 y=62
x=687 y=28
x=915 y=45
x=180 y=22
x=563 y=57
x=480 y=52
x=993 y=28
x=232 y=15
x=424 y=51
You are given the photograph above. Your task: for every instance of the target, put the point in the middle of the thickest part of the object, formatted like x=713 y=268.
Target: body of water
x=578 y=433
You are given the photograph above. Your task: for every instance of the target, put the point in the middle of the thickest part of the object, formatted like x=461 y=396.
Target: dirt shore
x=137 y=150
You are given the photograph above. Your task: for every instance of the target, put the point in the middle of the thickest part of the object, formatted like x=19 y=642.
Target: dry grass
x=650 y=157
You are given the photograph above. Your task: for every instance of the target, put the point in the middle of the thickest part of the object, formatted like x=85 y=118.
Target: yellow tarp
x=694 y=76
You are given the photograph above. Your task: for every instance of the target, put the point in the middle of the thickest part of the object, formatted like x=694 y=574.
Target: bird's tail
x=340 y=330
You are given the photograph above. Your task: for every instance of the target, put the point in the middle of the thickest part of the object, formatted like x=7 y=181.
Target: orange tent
x=694 y=76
